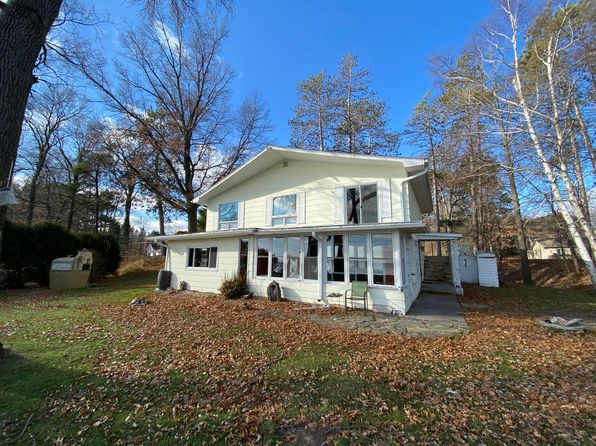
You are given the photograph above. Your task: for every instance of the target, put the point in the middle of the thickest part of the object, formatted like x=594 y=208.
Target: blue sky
x=274 y=44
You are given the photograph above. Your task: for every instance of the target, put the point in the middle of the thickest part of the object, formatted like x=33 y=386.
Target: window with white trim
x=228 y=215
x=357 y=264
x=349 y=258
x=263 y=257
x=294 y=257
x=284 y=210
x=335 y=259
x=277 y=257
x=361 y=204
x=311 y=258
x=202 y=257
x=382 y=259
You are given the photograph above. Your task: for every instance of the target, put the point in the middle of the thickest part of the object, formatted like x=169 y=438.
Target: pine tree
x=341 y=113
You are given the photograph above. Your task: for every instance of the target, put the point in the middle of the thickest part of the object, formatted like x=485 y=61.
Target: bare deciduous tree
x=172 y=96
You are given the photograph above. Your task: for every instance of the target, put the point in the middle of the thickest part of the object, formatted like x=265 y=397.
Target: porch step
x=437 y=268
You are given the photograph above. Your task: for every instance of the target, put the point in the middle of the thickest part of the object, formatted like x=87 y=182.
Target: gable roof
x=272 y=155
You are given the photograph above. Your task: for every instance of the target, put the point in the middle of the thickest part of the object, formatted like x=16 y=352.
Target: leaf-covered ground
x=196 y=369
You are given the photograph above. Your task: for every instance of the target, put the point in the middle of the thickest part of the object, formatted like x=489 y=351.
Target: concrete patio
x=431 y=315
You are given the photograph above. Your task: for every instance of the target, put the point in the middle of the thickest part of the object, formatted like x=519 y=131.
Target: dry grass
x=137 y=264
x=546 y=273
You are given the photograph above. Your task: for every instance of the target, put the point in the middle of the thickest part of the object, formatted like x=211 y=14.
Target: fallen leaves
x=197 y=368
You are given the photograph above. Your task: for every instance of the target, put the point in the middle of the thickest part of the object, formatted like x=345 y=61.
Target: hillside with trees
x=508 y=130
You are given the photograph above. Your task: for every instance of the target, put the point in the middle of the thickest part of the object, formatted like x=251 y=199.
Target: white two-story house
x=313 y=222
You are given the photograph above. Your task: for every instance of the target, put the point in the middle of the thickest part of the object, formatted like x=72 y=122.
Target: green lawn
x=88 y=368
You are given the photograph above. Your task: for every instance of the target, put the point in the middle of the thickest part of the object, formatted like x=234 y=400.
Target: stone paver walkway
x=430 y=316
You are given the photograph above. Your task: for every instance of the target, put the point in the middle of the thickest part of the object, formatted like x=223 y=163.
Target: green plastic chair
x=359 y=292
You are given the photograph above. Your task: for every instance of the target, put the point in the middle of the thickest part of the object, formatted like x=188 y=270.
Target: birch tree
x=540 y=100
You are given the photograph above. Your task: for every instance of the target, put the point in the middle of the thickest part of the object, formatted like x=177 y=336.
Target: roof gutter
x=419 y=174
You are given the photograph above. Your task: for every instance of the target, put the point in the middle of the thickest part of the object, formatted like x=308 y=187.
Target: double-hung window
x=263 y=257
x=277 y=257
x=284 y=210
x=361 y=204
x=335 y=258
x=228 y=216
x=311 y=258
x=357 y=265
x=202 y=257
x=382 y=259
x=293 y=258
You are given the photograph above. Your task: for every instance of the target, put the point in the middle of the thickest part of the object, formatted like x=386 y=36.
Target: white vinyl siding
x=383 y=297
x=202 y=279
x=323 y=186
x=415 y=214
x=384 y=196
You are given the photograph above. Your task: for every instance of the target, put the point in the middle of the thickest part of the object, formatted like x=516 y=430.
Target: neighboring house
x=153 y=250
x=313 y=222
x=548 y=248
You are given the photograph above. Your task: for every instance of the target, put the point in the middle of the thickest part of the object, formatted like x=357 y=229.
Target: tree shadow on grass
x=25 y=386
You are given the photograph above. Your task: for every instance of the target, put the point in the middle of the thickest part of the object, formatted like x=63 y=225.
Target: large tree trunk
x=522 y=245
x=191 y=212
x=23 y=29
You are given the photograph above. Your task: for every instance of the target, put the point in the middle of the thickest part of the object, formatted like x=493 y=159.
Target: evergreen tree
x=341 y=113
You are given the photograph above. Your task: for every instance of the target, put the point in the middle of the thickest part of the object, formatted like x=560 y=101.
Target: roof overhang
x=422 y=190
x=272 y=155
x=376 y=227
x=436 y=236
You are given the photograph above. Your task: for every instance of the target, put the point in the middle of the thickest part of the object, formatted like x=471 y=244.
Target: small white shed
x=468 y=266
x=487 y=270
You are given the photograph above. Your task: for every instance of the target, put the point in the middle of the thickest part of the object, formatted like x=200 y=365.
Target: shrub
x=27 y=252
x=233 y=287
x=106 y=246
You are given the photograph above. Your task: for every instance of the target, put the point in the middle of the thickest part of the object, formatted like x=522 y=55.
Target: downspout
x=164 y=245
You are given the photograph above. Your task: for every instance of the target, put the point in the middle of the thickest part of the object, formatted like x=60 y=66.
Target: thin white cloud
x=165 y=34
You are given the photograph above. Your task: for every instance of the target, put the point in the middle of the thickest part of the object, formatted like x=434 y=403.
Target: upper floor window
x=202 y=257
x=284 y=210
x=361 y=204
x=228 y=215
